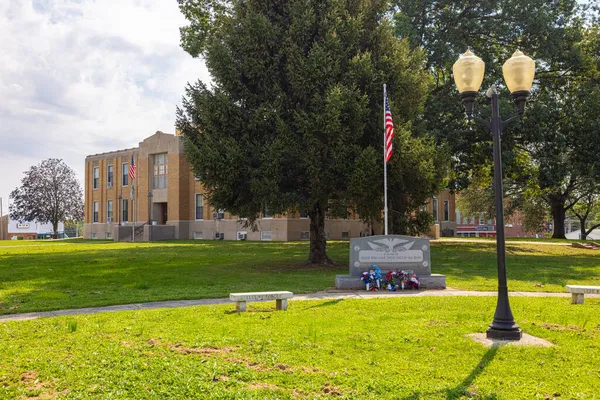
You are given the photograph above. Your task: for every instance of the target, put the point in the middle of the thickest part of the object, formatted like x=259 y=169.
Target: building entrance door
x=164 y=209
x=159 y=212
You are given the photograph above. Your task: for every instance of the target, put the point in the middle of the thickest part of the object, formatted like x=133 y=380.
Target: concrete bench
x=279 y=297
x=578 y=292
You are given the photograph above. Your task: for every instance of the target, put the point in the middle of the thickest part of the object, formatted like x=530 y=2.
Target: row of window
x=110 y=172
x=199 y=207
x=199 y=210
x=472 y=220
x=267 y=235
x=109 y=211
x=446 y=210
x=159 y=173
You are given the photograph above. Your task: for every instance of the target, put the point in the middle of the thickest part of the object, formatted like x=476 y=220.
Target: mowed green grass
x=38 y=276
x=393 y=348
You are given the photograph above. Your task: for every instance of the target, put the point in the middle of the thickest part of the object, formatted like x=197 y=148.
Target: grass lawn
x=395 y=348
x=36 y=276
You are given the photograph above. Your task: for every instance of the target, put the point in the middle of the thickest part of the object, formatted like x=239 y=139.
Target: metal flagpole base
x=504 y=334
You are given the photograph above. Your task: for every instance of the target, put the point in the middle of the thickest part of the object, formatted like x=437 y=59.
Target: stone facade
x=174 y=202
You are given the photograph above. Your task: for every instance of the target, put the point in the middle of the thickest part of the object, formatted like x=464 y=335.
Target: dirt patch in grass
x=434 y=322
x=38 y=389
x=263 y=386
x=283 y=367
x=330 y=390
x=559 y=328
x=154 y=342
x=29 y=376
x=181 y=349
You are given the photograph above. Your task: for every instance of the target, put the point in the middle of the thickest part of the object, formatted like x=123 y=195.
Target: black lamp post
x=149 y=208
x=518 y=73
x=119 y=198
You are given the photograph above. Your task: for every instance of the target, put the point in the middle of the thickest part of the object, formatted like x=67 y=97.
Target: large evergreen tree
x=294 y=119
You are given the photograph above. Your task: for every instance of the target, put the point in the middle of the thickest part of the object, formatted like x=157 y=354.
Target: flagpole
x=385 y=207
x=132 y=196
x=133 y=208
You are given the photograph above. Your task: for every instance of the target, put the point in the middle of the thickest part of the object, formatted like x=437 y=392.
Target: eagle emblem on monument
x=393 y=244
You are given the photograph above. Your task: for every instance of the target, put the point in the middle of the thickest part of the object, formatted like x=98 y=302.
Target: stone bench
x=578 y=292
x=279 y=297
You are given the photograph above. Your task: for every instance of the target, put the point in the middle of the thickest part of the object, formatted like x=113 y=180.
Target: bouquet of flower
x=390 y=281
x=413 y=282
x=403 y=278
x=376 y=273
x=367 y=278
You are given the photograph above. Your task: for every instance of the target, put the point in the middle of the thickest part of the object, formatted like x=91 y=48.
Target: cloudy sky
x=80 y=77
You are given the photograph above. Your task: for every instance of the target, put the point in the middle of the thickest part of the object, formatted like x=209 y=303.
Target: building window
x=95 y=212
x=446 y=210
x=96 y=181
x=94 y=235
x=457 y=216
x=159 y=177
x=304 y=214
x=108 y=235
x=199 y=207
x=198 y=235
x=345 y=235
x=109 y=211
x=109 y=176
x=435 y=209
x=125 y=174
x=304 y=235
x=481 y=220
x=125 y=212
x=266 y=235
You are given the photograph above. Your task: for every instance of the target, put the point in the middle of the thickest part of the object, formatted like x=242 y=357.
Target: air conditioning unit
x=218 y=215
x=108 y=220
x=219 y=235
x=242 y=236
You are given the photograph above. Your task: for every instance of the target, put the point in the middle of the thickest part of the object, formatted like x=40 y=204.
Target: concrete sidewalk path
x=325 y=295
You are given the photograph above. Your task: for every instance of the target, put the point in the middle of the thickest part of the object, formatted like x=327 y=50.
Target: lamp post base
x=502 y=334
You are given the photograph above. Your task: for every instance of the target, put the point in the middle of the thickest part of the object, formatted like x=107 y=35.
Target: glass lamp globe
x=518 y=72
x=468 y=72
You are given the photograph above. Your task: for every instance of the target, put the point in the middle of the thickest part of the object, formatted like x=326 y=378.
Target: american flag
x=389 y=131
x=132 y=168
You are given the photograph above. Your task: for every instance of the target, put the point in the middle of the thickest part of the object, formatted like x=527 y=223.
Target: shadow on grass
x=326 y=304
x=462 y=389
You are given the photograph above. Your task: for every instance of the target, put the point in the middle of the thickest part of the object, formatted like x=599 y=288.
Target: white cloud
x=79 y=77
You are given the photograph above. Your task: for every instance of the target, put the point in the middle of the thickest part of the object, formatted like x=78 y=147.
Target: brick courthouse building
x=167 y=193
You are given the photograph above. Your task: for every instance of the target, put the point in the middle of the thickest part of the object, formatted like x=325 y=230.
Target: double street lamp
x=518 y=74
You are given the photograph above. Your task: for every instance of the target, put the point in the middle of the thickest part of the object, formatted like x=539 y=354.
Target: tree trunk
x=55 y=229
x=318 y=240
x=558 y=216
